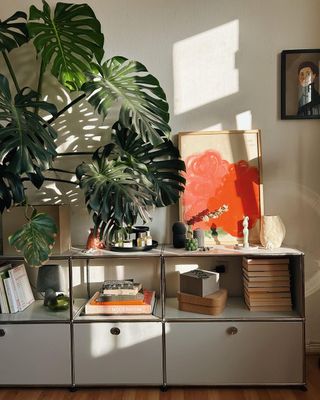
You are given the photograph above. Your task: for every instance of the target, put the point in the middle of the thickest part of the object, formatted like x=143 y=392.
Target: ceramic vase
x=272 y=231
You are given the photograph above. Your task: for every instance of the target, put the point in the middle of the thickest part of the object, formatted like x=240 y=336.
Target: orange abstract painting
x=222 y=169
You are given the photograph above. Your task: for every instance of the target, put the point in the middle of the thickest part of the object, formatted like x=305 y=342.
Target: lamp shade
x=50 y=276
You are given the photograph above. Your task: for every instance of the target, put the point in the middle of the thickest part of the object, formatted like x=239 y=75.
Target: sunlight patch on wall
x=244 y=120
x=53 y=187
x=182 y=268
x=76 y=276
x=204 y=67
x=64 y=146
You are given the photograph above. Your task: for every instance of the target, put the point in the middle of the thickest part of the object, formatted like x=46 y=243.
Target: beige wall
x=218 y=62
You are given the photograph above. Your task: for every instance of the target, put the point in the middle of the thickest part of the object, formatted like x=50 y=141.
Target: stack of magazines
x=121 y=297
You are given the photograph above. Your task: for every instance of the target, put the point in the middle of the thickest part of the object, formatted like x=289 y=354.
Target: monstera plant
x=138 y=170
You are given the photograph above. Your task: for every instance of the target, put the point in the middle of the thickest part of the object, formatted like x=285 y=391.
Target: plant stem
x=53 y=180
x=13 y=76
x=60 y=180
x=39 y=88
x=64 y=109
x=60 y=170
x=78 y=153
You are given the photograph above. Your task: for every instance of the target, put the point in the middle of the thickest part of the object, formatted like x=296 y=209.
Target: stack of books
x=121 y=297
x=15 y=290
x=267 y=284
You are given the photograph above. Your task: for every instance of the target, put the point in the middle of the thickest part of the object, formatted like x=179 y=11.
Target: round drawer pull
x=115 y=331
x=232 y=330
x=2 y=332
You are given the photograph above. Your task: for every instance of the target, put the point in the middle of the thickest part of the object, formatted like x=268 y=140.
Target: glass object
x=148 y=239
x=191 y=244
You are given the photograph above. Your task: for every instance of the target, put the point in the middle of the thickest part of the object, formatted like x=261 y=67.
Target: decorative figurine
x=245 y=232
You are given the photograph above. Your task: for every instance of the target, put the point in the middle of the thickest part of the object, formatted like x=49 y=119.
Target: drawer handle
x=115 y=331
x=232 y=330
x=2 y=332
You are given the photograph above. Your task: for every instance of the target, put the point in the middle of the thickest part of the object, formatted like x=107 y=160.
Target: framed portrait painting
x=223 y=184
x=300 y=97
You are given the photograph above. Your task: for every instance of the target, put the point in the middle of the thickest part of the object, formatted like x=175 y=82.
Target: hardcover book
x=121 y=287
x=94 y=308
x=21 y=286
x=4 y=305
x=13 y=305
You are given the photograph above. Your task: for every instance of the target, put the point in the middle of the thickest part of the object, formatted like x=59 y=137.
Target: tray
x=134 y=248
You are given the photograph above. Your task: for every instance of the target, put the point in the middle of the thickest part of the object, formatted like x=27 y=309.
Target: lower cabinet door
x=35 y=354
x=236 y=353
x=128 y=353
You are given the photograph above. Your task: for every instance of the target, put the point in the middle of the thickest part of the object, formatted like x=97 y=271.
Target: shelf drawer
x=118 y=353
x=234 y=353
x=35 y=354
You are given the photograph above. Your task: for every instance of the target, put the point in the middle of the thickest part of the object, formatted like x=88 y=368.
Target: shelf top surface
x=38 y=312
x=235 y=309
x=168 y=251
x=221 y=250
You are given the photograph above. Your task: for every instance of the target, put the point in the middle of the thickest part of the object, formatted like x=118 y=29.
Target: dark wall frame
x=284 y=87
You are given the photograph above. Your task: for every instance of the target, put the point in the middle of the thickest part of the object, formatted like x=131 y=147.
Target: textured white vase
x=272 y=231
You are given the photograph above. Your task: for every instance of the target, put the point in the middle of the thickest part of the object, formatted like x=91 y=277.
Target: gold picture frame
x=224 y=173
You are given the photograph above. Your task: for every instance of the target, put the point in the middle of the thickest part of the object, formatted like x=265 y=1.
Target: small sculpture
x=245 y=232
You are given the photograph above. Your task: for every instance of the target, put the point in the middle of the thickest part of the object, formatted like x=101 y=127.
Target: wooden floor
x=313 y=392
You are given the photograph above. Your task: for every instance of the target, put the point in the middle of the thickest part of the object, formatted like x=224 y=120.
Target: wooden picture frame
x=300 y=84
x=222 y=168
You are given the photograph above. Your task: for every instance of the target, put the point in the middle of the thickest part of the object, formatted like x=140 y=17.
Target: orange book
x=95 y=308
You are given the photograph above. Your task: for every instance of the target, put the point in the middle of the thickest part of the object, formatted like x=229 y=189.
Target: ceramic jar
x=272 y=231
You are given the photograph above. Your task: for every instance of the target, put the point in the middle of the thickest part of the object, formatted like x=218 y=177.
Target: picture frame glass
x=300 y=84
x=223 y=168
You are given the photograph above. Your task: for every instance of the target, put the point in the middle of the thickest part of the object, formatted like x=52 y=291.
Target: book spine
x=15 y=289
x=3 y=299
x=13 y=306
x=126 y=309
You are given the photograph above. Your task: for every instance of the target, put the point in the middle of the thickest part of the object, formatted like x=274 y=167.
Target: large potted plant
x=139 y=169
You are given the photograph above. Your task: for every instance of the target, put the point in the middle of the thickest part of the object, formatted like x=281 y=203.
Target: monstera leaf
x=162 y=163
x=69 y=39
x=26 y=139
x=114 y=191
x=35 y=239
x=11 y=189
x=13 y=34
x=143 y=102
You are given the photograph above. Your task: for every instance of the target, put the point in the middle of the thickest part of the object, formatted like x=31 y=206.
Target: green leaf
x=161 y=164
x=35 y=239
x=116 y=193
x=11 y=189
x=27 y=143
x=12 y=33
x=68 y=39
x=143 y=102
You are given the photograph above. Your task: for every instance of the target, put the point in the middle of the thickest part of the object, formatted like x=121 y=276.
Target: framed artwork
x=300 y=84
x=223 y=184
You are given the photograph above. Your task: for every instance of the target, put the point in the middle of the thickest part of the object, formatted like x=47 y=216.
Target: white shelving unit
x=169 y=347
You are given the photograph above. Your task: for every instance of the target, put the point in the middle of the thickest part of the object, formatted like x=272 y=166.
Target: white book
x=3 y=296
x=3 y=299
x=21 y=286
x=13 y=306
